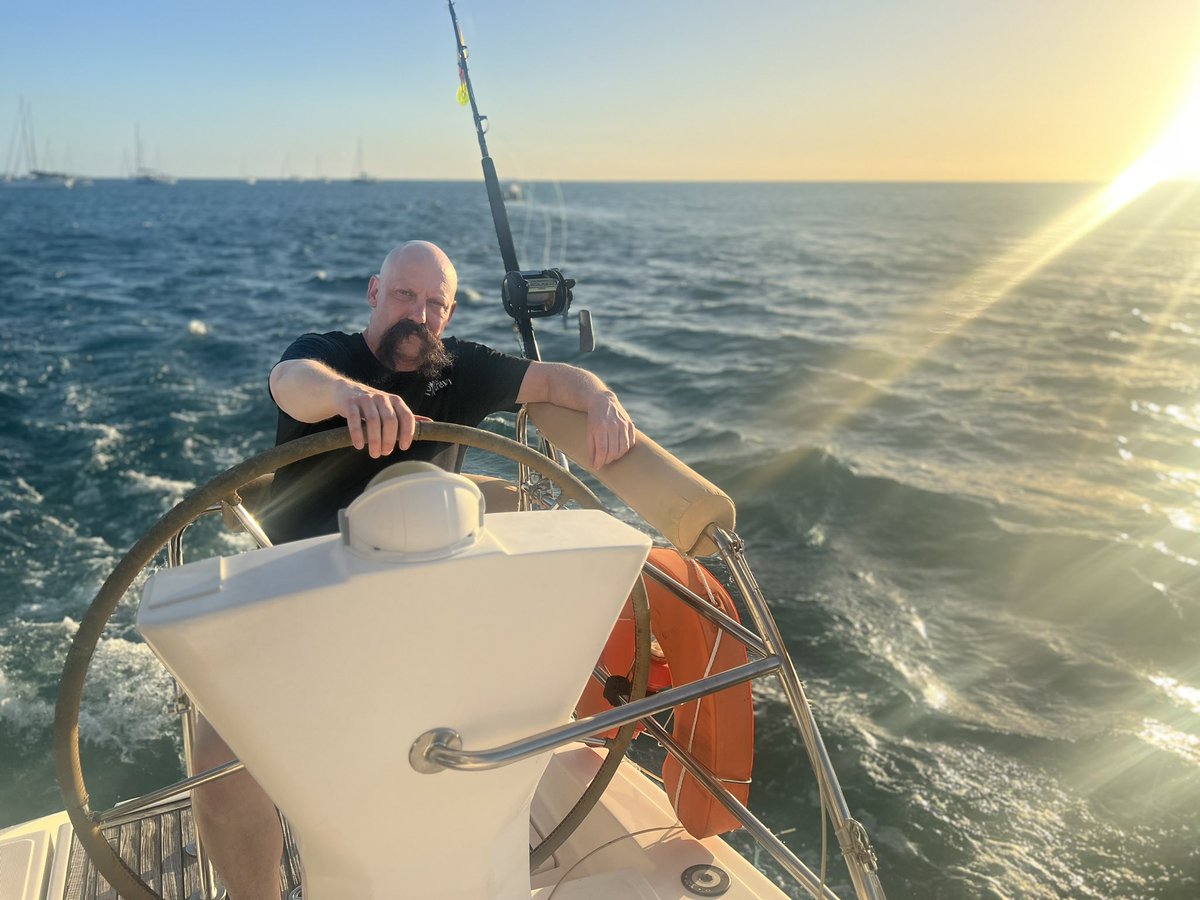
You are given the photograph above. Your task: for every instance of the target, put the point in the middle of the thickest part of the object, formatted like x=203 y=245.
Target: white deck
x=603 y=860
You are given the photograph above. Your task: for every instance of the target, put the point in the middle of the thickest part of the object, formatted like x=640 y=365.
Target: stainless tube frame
x=715 y=786
x=521 y=435
x=851 y=835
x=760 y=832
x=243 y=515
x=728 y=624
x=208 y=888
x=246 y=518
x=154 y=798
x=115 y=817
x=435 y=750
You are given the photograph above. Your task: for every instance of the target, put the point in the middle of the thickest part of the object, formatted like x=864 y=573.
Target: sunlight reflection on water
x=1164 y=737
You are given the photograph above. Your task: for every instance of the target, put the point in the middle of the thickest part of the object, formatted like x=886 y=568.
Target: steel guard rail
x=441 y=748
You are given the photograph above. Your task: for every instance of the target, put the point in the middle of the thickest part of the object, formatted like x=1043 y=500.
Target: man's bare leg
x=238 y=824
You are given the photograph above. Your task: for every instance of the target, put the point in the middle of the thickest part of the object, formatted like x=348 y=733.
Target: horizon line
x=731 y=181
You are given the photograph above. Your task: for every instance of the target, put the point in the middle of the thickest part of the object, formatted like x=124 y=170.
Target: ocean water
x=961 y=428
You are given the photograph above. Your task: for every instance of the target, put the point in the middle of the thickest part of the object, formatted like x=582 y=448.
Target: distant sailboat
x=49 y=177
x=362 y=177
x=22 y=156
x=285 y=171
x=143 y=174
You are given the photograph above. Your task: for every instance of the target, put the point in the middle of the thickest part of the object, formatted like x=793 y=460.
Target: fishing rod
x=527 y=295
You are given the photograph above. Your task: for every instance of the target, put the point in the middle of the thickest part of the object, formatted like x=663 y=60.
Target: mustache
x=433 y=357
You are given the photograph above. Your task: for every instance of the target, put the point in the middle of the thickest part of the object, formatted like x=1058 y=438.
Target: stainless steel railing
x=533 y=491
x=441 y=748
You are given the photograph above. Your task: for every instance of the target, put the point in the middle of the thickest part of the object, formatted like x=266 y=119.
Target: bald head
x=419 y=257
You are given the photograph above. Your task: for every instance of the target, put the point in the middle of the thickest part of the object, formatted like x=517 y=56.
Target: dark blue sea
x=961 y=424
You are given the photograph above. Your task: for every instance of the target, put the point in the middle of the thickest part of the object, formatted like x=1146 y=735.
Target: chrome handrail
x=248 y=522
x=154 y=798
x=521 y=435
x=435 y=749
x=753 y=825
x=208 y=888
x=525 y=485
x=730 y=625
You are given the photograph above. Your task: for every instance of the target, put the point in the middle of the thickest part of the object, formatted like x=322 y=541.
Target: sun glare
x=1174 y=155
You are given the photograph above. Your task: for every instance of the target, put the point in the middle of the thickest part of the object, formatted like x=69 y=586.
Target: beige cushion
x=656 y=485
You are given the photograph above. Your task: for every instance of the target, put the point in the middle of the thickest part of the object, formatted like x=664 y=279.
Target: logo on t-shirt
x=434 y=386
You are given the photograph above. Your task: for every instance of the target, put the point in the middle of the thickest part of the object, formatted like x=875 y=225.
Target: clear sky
x=604 y=89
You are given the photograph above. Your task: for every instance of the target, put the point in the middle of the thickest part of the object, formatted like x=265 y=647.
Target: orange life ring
x=717 y=729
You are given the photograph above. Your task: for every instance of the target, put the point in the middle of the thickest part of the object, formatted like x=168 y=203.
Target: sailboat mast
x=31 y=145
x=13 y=159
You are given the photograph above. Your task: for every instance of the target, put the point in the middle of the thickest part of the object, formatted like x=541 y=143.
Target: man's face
x=411 y=305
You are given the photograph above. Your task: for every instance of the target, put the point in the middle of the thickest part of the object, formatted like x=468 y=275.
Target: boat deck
x=154 y=844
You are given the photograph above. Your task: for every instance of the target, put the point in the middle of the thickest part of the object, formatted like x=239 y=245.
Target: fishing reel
x=536 y=295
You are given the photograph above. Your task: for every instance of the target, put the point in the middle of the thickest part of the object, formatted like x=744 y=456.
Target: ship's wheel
x=224 y=487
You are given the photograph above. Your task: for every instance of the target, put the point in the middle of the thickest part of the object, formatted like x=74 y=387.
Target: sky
x=925 y=90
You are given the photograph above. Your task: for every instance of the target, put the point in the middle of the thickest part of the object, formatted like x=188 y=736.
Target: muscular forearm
x=307 y=390
x=610 y=430
x=310 y=391
x=575 y=388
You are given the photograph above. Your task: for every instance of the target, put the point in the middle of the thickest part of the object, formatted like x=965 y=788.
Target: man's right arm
x=310 y=391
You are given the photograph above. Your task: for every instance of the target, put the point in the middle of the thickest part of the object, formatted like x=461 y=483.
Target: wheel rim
x=124 y=880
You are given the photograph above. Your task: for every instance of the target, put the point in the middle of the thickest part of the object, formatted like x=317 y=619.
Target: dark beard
x=434 y=357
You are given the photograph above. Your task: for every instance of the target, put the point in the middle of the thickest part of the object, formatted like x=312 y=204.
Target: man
x=379 y=383
x=398 y=370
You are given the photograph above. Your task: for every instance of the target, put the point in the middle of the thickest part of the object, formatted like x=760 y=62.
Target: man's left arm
x=610 y=430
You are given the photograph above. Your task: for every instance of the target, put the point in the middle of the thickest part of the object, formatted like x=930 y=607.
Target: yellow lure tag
x=462 y=95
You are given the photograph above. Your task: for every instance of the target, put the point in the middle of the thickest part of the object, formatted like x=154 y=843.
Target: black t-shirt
x=307 y=495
